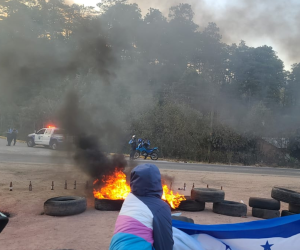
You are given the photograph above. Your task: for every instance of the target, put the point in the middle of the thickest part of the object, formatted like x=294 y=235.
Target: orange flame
x=115 y=187
x=173 y=199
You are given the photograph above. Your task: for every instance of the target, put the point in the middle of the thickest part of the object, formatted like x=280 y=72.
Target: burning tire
x=207 y=195
x=65 y=206
x=191 y=205
x=286 y=195
x=108 y=205
x=230 y=208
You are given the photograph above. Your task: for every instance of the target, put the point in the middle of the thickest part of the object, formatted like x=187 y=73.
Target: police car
x=49 y=137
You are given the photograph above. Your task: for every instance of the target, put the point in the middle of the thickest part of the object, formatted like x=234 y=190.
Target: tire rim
x=54 y=146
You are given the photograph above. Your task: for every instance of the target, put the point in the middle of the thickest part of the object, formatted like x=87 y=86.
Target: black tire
x=264 y=203
x=191 y=205
x=65 y=206
x=230 y=208
x=286 y=213
x=183 y=218
x=294 y=208
x=3 y=221
x=30 y=143
x=207 y=195
x=108 y=205
x=286 y=195
x=265 y=213
x=54 y=145
x=154 y=156
x=136 y=155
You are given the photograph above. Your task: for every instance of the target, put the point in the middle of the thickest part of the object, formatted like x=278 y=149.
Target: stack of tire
x=264 y=208
x=220 y=206
x=288 y=196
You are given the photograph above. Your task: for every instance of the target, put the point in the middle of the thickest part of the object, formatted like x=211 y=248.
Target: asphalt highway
x=41 y=155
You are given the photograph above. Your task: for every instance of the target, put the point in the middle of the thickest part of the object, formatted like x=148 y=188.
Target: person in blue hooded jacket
x=144 y=222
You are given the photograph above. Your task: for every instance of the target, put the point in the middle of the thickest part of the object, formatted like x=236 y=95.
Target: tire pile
x=270 y=208
x=264 y=208
x=288 y=196
x=199 y=196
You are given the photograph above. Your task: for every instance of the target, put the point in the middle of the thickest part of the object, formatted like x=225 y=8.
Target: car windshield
x=41 y=132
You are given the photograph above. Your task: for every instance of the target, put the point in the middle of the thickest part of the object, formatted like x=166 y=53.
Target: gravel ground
x=30 y=229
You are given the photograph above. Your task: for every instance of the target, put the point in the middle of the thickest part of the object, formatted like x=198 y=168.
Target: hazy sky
x=269 y=22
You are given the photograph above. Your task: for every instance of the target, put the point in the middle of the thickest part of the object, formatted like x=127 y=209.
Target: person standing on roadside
x=14 y=136
x=9 y=136
x=133 y=144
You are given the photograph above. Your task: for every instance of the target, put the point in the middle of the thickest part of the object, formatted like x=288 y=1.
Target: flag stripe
x=283 y=227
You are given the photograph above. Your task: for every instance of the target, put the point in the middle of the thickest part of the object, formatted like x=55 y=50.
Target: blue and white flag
x=273 y=234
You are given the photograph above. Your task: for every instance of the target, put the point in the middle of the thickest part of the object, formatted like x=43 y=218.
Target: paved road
x=22 y=154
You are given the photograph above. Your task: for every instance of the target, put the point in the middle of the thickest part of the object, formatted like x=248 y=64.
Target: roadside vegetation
x=163 y=77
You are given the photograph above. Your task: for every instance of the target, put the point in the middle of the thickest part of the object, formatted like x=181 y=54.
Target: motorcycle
x=153 y=153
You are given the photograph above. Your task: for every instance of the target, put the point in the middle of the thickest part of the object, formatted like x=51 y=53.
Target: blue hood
x=145 y=180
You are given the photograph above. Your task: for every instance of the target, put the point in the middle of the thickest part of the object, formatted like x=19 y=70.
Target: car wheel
x=30 y=143
x=53 y=145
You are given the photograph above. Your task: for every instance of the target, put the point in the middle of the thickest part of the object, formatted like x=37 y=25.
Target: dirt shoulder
x=29 y=229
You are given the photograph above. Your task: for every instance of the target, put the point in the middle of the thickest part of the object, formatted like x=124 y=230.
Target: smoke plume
x=85 y=138
x=257 y=22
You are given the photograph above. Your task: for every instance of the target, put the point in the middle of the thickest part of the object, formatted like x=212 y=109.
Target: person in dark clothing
x=133 y=144
x=144 y=222
x=14 y=135
x=146 y=145
x=9 y=136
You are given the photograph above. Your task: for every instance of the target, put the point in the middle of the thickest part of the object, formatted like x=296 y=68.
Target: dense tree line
x=161 y=77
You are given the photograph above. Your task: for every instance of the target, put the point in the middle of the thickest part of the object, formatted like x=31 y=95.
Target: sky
x=269 y=22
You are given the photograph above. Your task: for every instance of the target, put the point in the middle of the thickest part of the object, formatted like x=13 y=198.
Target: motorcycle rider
x=133 y=144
